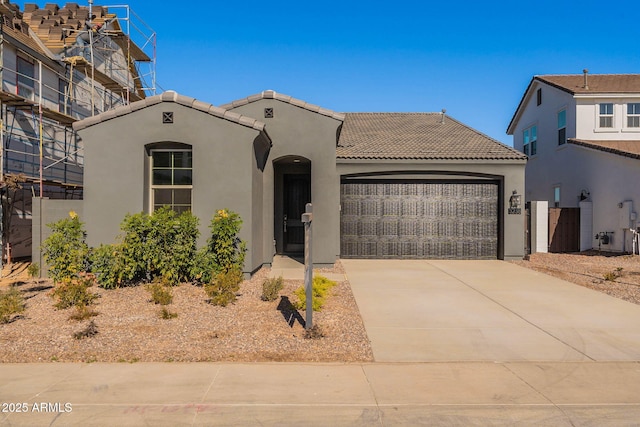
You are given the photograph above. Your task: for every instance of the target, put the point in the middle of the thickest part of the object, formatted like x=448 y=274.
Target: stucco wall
x=225 y=170
x=588 y=127
x=296 y=131
x=510 y=173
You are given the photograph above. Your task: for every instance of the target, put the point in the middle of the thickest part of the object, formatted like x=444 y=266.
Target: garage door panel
x=419 y=220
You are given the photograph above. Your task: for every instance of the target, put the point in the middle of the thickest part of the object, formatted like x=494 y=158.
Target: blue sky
x=473 y=58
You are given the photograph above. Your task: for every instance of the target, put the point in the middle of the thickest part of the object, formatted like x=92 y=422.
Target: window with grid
x=25 y=83
x=562 y=127
x=530 y=141
x=633 y=115
x=606 y=115
x=171 y=180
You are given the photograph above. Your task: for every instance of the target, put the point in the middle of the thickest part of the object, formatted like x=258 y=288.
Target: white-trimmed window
x=633 y=115
x=25 y=84
x=556 y=196
x=605 y=115
x=530 y=141
x=562 y=127
x=171 y=179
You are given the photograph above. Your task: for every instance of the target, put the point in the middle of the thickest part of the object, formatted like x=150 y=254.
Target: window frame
x=530 y=140
x=606 y=116
x=539 y=96
x=562 y=129
x=635 y=115
x=173 y=186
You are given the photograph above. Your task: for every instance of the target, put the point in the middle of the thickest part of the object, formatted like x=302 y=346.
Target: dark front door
x=297 y=193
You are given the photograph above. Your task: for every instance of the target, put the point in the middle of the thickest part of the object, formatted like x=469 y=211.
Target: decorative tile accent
x=268 y=113
x=167 y=117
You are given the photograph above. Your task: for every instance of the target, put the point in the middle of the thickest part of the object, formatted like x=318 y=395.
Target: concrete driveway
x=418 y=310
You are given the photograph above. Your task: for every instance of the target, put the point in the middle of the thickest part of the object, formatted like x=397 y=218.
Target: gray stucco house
x=383 y=185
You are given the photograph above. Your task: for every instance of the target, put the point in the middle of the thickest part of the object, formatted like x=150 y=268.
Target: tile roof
x=171 y=96
x=597 y=83
x=416 y=136
x=621 y=148
x=272 y=94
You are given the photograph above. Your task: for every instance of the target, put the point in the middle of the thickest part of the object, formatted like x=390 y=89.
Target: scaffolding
x=60 y=65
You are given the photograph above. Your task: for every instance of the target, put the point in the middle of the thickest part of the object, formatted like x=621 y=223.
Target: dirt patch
x=130 y=329
x=614 y=274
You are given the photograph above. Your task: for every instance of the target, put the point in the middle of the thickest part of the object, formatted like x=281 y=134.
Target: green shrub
x=106 y=264
x=320 y=289
x=224 y=250
x=160 y=293
x=74 y=292
x=65 y=250
x=33 y=270
x=223 y=287
x=271 y=288
x=11 y=302
x=162 y=244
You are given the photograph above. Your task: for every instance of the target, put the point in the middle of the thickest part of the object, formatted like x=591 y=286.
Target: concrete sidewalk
x=452 y=311
x=435 y=394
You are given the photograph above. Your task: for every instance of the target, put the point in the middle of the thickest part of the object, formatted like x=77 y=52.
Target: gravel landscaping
x=614 y=274
x=130 y=329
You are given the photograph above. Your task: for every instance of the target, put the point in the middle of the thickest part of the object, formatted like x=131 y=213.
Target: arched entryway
x=292 y=191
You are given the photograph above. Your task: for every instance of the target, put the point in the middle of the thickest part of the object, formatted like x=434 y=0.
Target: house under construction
x=60 y=65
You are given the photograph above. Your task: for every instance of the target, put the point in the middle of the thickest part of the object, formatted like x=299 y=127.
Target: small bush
x=33 y=270
x=105 y=263
x=223 y=287
x=224 y=250
x=271 y=288
x=160 y=293
x=166 y=314
x=88 y=332
x=611 y=276
x=74 y=292
x=320 y=289
x=11 y=303
x=83 y=313
x=64 y=250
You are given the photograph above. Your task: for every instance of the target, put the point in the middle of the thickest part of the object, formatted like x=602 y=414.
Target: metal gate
x=409 y=219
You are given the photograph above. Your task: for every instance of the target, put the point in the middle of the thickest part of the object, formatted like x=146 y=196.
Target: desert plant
x=320 y=289
x=271 y=287
x=224 y=250
x=64 y=250
x=611 y=276
x=33 y=270
x=83 y=312
x=74 y=292
x=160 y=292
x=105 y=263
x=90 y=331
x=166 y=314
x=223 y=287
x=11 y=303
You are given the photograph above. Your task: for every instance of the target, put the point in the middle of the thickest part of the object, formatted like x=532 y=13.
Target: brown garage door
x=417 y=219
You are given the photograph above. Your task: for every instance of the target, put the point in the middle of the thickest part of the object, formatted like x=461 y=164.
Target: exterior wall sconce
x=584 y=195
x=515 y=201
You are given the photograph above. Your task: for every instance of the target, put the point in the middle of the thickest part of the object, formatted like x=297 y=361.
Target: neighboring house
x=59 y=65
x=582 y=135
x=382 y=185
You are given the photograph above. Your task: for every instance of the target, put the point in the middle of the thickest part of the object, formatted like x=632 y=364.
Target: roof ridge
x=272 y=94
x=171 y=96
